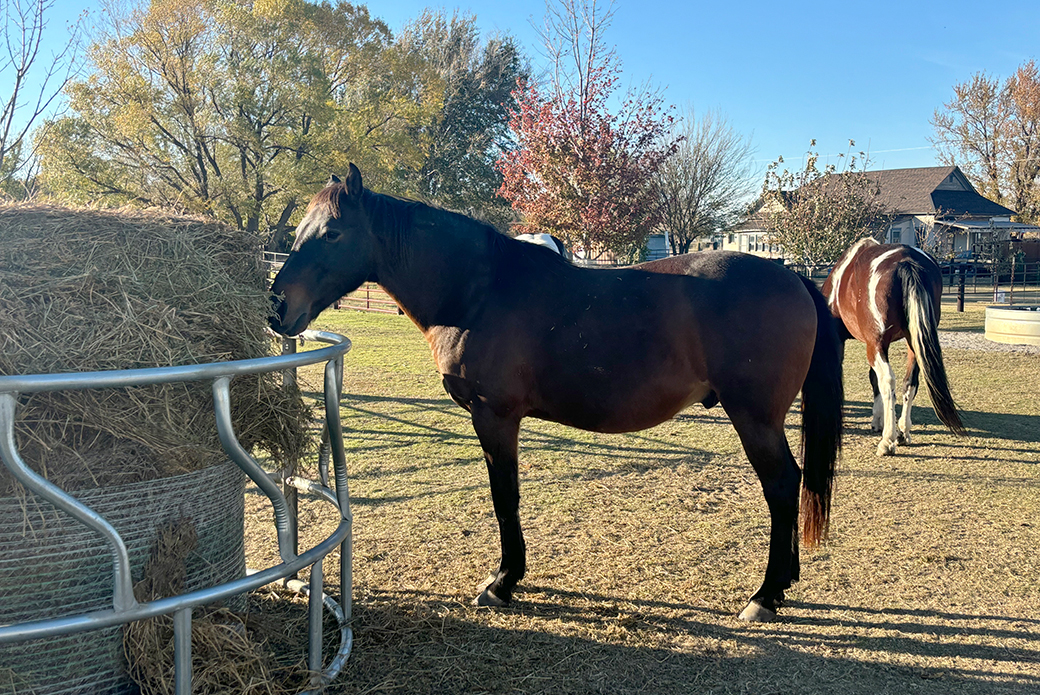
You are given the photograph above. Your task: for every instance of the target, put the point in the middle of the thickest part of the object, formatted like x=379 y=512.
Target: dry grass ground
x=642 y=547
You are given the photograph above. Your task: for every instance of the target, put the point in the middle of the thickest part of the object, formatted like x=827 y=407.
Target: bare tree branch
x=705 y=184
x=35 y=83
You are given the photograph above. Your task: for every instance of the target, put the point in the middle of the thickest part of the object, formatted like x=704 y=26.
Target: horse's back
x=623 y=349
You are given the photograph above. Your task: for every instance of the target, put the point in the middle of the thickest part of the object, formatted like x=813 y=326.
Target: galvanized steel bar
x=289 y=383
x=314 y=624
x=38 y=383
x=182 y=651
x=123 y=590
x=333 y=383
x=284 y=522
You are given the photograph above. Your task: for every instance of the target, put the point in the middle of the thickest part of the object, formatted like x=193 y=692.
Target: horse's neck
x=437 y=268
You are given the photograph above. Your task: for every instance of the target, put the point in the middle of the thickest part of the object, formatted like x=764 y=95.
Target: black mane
x=401 y=214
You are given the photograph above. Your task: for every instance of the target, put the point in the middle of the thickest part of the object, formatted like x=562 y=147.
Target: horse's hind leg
x=499 y=438
x=877 y=415
x=886 y=378
x=767 y=450
x=909 y=391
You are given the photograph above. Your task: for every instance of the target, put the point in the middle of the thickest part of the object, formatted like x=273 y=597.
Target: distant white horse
x=548 y=241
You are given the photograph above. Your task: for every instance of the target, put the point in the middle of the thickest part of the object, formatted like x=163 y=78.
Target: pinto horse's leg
x=877 y=415
x=909 y=391
x=766 y=447
x=886 y=378
x=499 y=438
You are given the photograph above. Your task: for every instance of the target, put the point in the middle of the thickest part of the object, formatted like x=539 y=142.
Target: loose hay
x=226 y=656
x=85 y=290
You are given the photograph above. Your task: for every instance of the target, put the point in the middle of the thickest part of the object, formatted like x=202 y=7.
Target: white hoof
x=904 y=437
x=755 y=612
x=886 y=448
x=487 y=598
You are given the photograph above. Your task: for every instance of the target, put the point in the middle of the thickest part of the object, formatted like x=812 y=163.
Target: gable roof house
x=936 y=207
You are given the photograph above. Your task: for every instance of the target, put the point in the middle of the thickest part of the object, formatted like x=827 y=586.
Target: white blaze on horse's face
x=333 y=254
x=545 y=240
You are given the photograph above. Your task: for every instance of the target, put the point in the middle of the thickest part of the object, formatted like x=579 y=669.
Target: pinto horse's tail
x=923 y=323
x=823 y=397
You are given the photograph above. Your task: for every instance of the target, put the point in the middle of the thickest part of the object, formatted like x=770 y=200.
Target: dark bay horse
x=517 y=331
x=883 y=293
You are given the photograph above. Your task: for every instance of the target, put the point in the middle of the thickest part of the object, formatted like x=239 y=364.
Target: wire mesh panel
x=52 y=566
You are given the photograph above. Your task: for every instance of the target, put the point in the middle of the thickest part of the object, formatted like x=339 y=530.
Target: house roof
x=943 y=191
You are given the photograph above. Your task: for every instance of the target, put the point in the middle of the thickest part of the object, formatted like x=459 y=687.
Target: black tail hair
x=823 y=399
x=923 y=324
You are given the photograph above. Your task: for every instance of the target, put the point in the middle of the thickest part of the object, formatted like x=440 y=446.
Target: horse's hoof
x=487 y=598
x=755 y=612
x=904 y=438
x=886 y=448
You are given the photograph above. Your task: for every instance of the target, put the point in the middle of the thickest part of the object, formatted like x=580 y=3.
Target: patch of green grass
x=642 y=547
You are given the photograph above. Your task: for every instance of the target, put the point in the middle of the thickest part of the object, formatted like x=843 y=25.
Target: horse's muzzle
x=279 y=321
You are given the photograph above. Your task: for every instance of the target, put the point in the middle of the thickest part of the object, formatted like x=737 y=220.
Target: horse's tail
x=923 y=323
x=823 y=397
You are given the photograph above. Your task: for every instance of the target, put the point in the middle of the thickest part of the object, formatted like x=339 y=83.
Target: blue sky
x=787 y=72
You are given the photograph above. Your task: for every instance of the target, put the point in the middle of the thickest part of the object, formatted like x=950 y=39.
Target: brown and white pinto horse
x=882 y=293
x=516 y=331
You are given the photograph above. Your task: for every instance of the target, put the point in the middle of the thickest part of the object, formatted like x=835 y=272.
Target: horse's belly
x=605 y=410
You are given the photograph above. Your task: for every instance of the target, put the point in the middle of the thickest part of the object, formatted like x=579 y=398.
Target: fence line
x=370 y=297
x=1007 y=285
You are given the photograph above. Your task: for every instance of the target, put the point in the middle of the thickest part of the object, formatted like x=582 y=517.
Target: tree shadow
x=411 y=415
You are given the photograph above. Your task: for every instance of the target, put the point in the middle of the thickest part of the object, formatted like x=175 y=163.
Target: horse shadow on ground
x=1007 y=426
x=422 y=642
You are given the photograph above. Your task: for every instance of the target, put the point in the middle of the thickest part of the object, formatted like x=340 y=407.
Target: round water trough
x=1017 y=325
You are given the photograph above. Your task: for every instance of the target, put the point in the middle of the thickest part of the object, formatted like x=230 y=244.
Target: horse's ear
x=332 y=179
x=353 y=181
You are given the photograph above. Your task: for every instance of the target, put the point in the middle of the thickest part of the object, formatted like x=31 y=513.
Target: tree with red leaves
x=578 y=171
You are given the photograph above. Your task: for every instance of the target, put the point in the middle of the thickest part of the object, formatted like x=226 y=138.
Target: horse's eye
x=332 y=235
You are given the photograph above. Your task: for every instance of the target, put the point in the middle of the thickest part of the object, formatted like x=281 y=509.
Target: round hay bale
x=86 y=290
x=53 y=566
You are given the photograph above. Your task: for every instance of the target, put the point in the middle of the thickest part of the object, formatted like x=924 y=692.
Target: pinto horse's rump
x=883 y=293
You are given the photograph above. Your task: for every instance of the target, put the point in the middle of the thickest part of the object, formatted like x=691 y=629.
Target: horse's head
x=334 y=253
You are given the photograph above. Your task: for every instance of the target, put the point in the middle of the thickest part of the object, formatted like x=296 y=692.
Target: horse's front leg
x=498 y=437
x=877 y=414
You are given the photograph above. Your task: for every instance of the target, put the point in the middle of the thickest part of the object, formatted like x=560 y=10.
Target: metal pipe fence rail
x=1016 y=283
x=125 y=608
